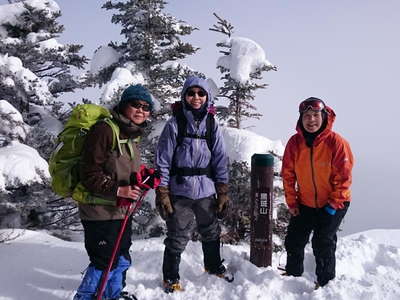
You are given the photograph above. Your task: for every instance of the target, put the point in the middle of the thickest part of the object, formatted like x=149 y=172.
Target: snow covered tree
x=152 y=48
x=26 y=199
x=29 y=31
x=27 y=122
x=21 y=169
x=34 y=67
x=241 y=66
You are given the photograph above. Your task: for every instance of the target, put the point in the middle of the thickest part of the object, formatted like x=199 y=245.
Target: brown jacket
x=103 y=169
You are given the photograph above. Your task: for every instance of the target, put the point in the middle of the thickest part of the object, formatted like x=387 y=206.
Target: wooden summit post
x=262 y=177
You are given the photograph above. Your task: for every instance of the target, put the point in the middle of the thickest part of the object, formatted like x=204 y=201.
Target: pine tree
x=32 y=38
x=239 y=94
x=153 y=44
x=34 y=70
x=23 y=202
x=151 y=49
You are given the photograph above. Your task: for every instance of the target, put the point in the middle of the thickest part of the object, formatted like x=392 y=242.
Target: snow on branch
x=29 y=87
x=246 y=57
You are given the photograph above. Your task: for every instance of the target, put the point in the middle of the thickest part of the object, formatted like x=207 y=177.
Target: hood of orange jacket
x=321 y=174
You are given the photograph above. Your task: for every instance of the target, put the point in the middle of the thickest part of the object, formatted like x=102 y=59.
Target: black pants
x=324 y=227
x=100 y=238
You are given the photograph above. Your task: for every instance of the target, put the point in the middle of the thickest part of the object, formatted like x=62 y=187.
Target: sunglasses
x=192 y=93
x=138 y=105
x=316 y=105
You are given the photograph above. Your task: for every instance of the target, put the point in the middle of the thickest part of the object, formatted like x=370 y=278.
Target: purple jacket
x=192 y=153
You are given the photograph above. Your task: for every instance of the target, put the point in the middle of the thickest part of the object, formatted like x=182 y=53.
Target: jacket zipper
x=313 y=177
x=197 y=125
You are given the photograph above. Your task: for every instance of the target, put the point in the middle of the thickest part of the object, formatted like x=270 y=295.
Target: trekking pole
x=129 y=211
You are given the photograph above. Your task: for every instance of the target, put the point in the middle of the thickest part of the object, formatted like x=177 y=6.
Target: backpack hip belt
x=185 y=171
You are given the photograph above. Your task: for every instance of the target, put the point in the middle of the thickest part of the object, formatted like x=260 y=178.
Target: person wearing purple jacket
x=194 y=184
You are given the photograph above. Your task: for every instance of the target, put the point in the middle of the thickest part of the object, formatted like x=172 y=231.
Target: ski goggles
x=138 y=105
x=192 y=93
x=313 y=104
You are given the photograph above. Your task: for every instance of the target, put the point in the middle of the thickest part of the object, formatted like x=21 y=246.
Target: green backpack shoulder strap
x=117 y=141
x=115 y=131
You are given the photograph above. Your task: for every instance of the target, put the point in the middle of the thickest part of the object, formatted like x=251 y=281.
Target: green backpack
x=64 y=161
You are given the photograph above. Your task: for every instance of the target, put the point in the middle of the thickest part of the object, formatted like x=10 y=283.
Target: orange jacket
x=318 y=175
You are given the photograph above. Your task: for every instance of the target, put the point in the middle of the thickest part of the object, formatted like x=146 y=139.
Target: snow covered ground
x=37 y=266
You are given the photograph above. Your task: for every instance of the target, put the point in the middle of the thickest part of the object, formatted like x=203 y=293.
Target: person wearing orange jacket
x=316 y=172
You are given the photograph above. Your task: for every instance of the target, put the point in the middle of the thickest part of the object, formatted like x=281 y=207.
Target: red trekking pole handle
x=129 y=211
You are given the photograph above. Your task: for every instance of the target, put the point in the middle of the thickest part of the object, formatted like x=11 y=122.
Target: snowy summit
x=37 y=266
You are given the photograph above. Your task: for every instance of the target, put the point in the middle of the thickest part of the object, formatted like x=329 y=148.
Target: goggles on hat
x=138 y=105
x=315 y=104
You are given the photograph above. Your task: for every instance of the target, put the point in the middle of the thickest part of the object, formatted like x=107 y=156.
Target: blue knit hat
x=136 y=92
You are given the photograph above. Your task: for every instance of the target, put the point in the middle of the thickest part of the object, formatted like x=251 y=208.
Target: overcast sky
x=345 y=52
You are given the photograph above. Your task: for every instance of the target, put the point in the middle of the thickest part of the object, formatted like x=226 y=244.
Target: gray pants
x=186 y=212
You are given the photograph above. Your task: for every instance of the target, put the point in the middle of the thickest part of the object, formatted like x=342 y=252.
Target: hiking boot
x=171 y=286
x=125 y=296
x=282 y=271
x=213 y=262
x=222 y=272
x=171 y=263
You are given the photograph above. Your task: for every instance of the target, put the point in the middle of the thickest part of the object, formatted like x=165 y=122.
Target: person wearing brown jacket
x=316 y=172
x=106 y=172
